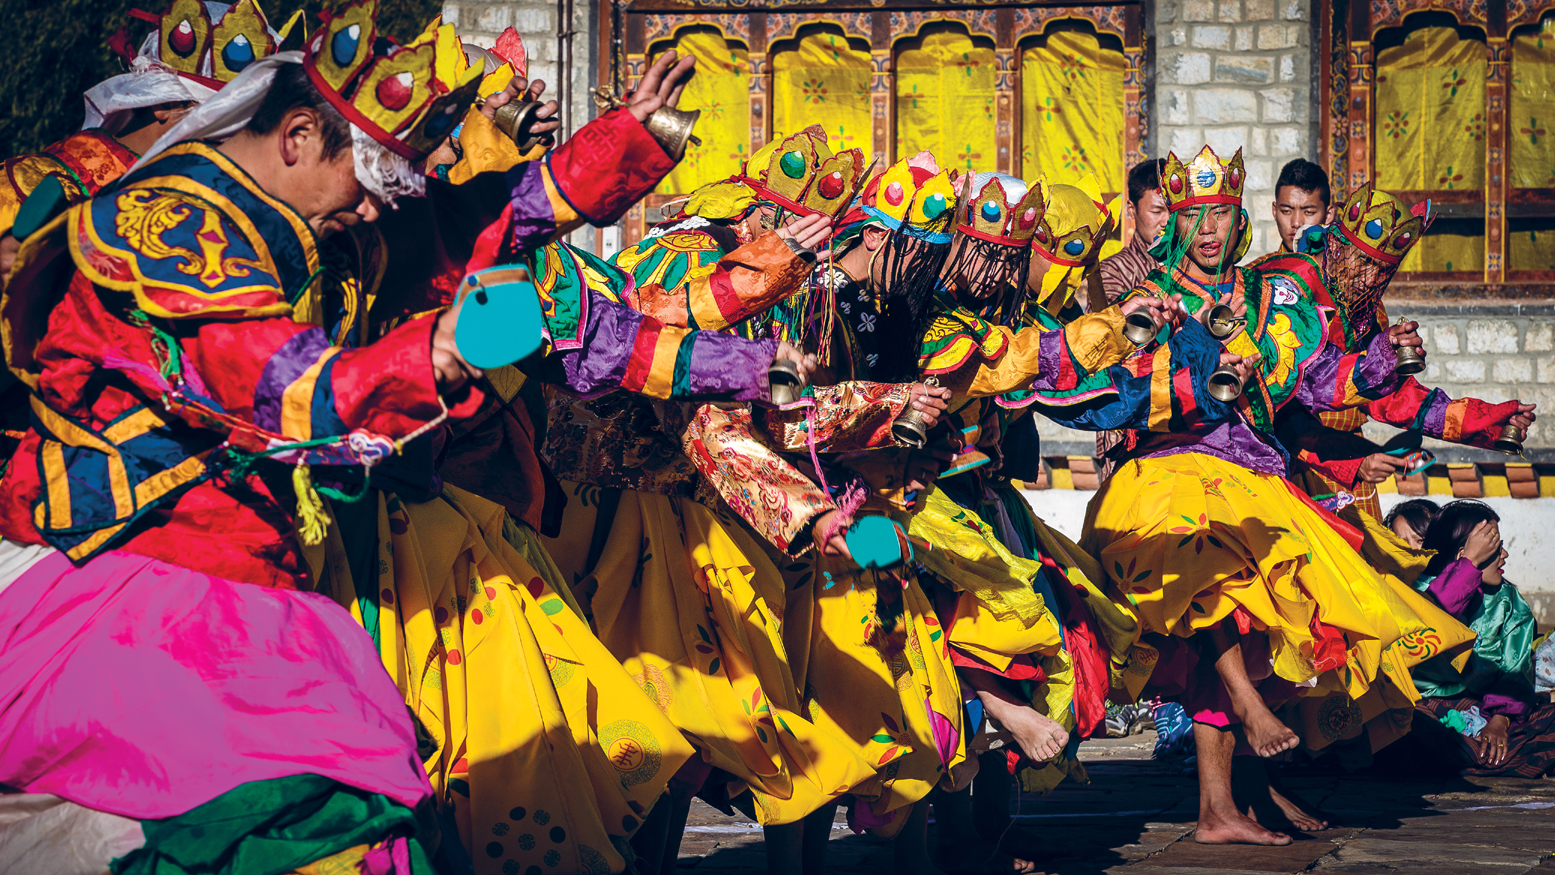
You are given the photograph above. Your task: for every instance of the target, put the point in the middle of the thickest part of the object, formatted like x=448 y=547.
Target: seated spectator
x=1410 y=519
x=1503 y=727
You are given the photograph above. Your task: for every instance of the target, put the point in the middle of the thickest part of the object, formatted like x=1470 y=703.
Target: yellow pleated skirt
x=885 y=685
x=546 y=749
x=693 y=607
x=1187 y=540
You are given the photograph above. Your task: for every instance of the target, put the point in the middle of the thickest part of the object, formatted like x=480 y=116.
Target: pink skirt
x=143 y=689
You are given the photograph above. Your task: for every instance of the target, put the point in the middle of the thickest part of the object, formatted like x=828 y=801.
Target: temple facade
x=1448 y=101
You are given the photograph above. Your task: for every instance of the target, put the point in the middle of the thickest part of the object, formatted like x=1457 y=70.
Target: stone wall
x=536 y=21
x=1236 y=74
x=1494 y=351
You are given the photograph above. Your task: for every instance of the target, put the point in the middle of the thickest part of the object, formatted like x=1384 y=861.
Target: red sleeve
x=287 y=379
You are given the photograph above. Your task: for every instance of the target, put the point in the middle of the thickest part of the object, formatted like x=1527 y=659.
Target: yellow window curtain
x=945 y=99
x=1429 y=133
x=820 y=79
x=1532 y=132
x=1072 y=110
x=721 y=90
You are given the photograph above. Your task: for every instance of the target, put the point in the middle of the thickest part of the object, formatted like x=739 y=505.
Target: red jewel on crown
x=831 y=185
x=1042 y=236
x=1234 y=178
x=1176 y=183
x=181 y=40
x=394 y=91
x=893 y=194
x=1029 y=217
x=1355 y=211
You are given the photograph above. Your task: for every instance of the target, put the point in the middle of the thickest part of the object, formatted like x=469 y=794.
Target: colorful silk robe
x=1286 y=328
x=175 y=331
x=83 y=162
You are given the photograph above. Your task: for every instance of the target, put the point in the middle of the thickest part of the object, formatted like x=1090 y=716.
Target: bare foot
x=1265 y=733
x=1299 y=817
x=1235 y=829
x=977 y=858
x=1039 y=736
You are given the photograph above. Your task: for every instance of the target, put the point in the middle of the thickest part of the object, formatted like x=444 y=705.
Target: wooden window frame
x=1348 y=31
x=629 y=28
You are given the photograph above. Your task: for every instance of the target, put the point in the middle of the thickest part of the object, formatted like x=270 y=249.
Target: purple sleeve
x=1336 y=380
x=1496 y=703
x=623 y=349
x=534 y=218
x=1456 y=589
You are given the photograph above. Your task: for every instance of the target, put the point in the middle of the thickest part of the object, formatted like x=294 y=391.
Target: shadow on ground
x=1136 y=818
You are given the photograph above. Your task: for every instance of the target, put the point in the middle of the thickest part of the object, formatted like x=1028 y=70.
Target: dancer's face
x=1210 y=231
x=959 y=270
x=1039 y=268
x=874 y=242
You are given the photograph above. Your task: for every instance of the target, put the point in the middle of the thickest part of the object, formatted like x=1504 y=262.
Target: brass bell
x=909 y=429
x=1410 y=361
x=672 y=128
x=517 y=119
x=1225 y=384
x=1222 y=321
x=1140 y=327
x=785 y=382
x=1510 y=441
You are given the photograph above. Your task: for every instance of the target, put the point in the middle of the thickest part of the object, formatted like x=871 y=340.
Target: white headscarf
x=385 y=173
x=110 y=103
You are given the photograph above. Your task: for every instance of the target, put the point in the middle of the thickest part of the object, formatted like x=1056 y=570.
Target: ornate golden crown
x=1074 y=223
x=800 y=173
x=1378 y=224
x=999 y=208
x=406 y=97
x=498 y=65
x=1204 y=180
x=915 y=192
x=212 y=43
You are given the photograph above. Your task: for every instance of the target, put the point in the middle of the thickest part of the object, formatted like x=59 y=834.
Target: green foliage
x=53 y=50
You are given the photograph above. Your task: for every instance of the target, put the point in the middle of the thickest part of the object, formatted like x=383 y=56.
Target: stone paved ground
x=1135 y=819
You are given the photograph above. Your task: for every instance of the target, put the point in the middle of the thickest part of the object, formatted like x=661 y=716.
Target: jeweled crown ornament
x=913 y=193
x=1204 y=180
x=801 y=174
x=211 y=43
x=1075 y=222
x=1000 y=208
x=396 y=94
x=1360 y=252
x=1380 y=225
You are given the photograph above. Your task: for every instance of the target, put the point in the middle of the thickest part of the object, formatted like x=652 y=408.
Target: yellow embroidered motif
x=145 y=216
x=1286 y=343
x=961 y=335
x=688 y=242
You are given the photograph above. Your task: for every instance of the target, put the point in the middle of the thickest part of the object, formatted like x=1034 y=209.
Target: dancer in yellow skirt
x=1248 y=595
x=1039 y=670
x=465 y=606
x=865 y=647
x=687 y=600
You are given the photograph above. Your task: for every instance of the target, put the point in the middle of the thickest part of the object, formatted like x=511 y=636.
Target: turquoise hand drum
x=878 y=543
x=501 y=321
